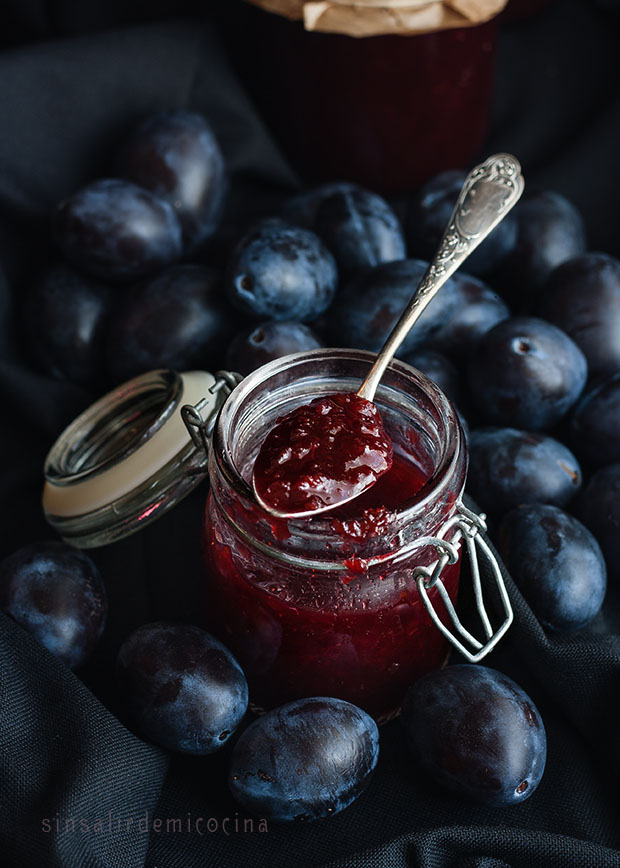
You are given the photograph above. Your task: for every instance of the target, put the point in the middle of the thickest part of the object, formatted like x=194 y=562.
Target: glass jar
x=387 y=111
x=355 y=606
x=307 y=608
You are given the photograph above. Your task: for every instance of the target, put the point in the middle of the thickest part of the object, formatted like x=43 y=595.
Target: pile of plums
x=126 y=297
x=526 y=344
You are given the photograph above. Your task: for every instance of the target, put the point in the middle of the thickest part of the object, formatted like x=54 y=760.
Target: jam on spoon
x=328 y=452
x=322 y=454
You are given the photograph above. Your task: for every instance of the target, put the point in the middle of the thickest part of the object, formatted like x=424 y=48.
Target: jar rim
x=432 y=489
x=97 y=440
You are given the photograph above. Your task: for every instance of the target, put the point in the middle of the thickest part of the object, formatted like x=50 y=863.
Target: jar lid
x=132 y=455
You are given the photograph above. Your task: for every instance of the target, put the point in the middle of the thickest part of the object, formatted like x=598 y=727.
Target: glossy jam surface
x=360 y=633
x=322 y=453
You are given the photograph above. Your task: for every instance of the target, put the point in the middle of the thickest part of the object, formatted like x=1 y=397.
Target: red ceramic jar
x=386 y=111
x=330 y=606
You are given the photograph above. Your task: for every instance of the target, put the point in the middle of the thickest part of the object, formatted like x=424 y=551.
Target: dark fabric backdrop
x=73 y=77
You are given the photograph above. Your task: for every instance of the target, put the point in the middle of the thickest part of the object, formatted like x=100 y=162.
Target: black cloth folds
x=77 y=788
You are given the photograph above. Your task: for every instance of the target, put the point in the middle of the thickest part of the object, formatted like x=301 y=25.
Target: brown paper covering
x=380 y=17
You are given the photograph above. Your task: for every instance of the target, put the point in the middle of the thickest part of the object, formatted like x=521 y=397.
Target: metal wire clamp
x=466 y=526
x=199 y=424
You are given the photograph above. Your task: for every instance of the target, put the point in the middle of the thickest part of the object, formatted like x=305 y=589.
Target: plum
x=430 y=211
x=281 y=272
x=550 y=231
x=179 y=319
x=57 y=594
x=183 y=688
x=595 y=423
x=305 y=760
x=582 y=297
x=256 y=345
x=526 y=373
x=476 y=733
x=509 y=467
x=360 y=229
x=176 y=156
x=64 y=318
x=369 y=306
x=115 y=230
x=556 y=563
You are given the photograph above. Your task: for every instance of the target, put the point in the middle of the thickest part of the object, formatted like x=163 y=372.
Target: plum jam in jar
x=329 y=605
x=356 y=603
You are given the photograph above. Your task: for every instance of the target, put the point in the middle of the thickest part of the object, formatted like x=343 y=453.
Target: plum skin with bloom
x=509 y=466
x=258 y=344
x=116 y=231
x=527 y=373
x=305 y=760
x=476 y=733
x=176 y=156
x=178 y=319
x=360 y=229
x=183 y=687
x=281 y=272
x=370 y=304
x=57 y=594
x=556 y=563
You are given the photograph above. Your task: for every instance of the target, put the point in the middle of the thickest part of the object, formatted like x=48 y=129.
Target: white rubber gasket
x=102 y=489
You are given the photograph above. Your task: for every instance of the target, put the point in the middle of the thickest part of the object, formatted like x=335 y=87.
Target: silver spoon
x=489 y=192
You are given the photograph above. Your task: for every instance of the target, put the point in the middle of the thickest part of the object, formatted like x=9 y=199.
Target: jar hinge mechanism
x=466 y=526
x=199 y=418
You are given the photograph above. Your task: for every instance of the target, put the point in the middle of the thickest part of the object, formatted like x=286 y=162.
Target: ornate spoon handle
x=489 y=192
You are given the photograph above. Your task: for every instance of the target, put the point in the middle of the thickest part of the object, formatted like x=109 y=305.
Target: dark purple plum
x=64 y=319
x=175 y=155
x=281 y=272
x=509 y=467
x=556 y=563
x=595 y=423
x=526 y=373
x=302 y=209
x=582 y=296
x=57 y=594
x=305 y=760
x=177 y=320
x=115 y=230
x=360 y=229
x=369 y=306
x=550 y=231
x=444 y=373
x=477 y=310
x=476 y=733
x=430 y=211
x=598 y=507
x=183 y=688
x=441 y=371
x=257 y=345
